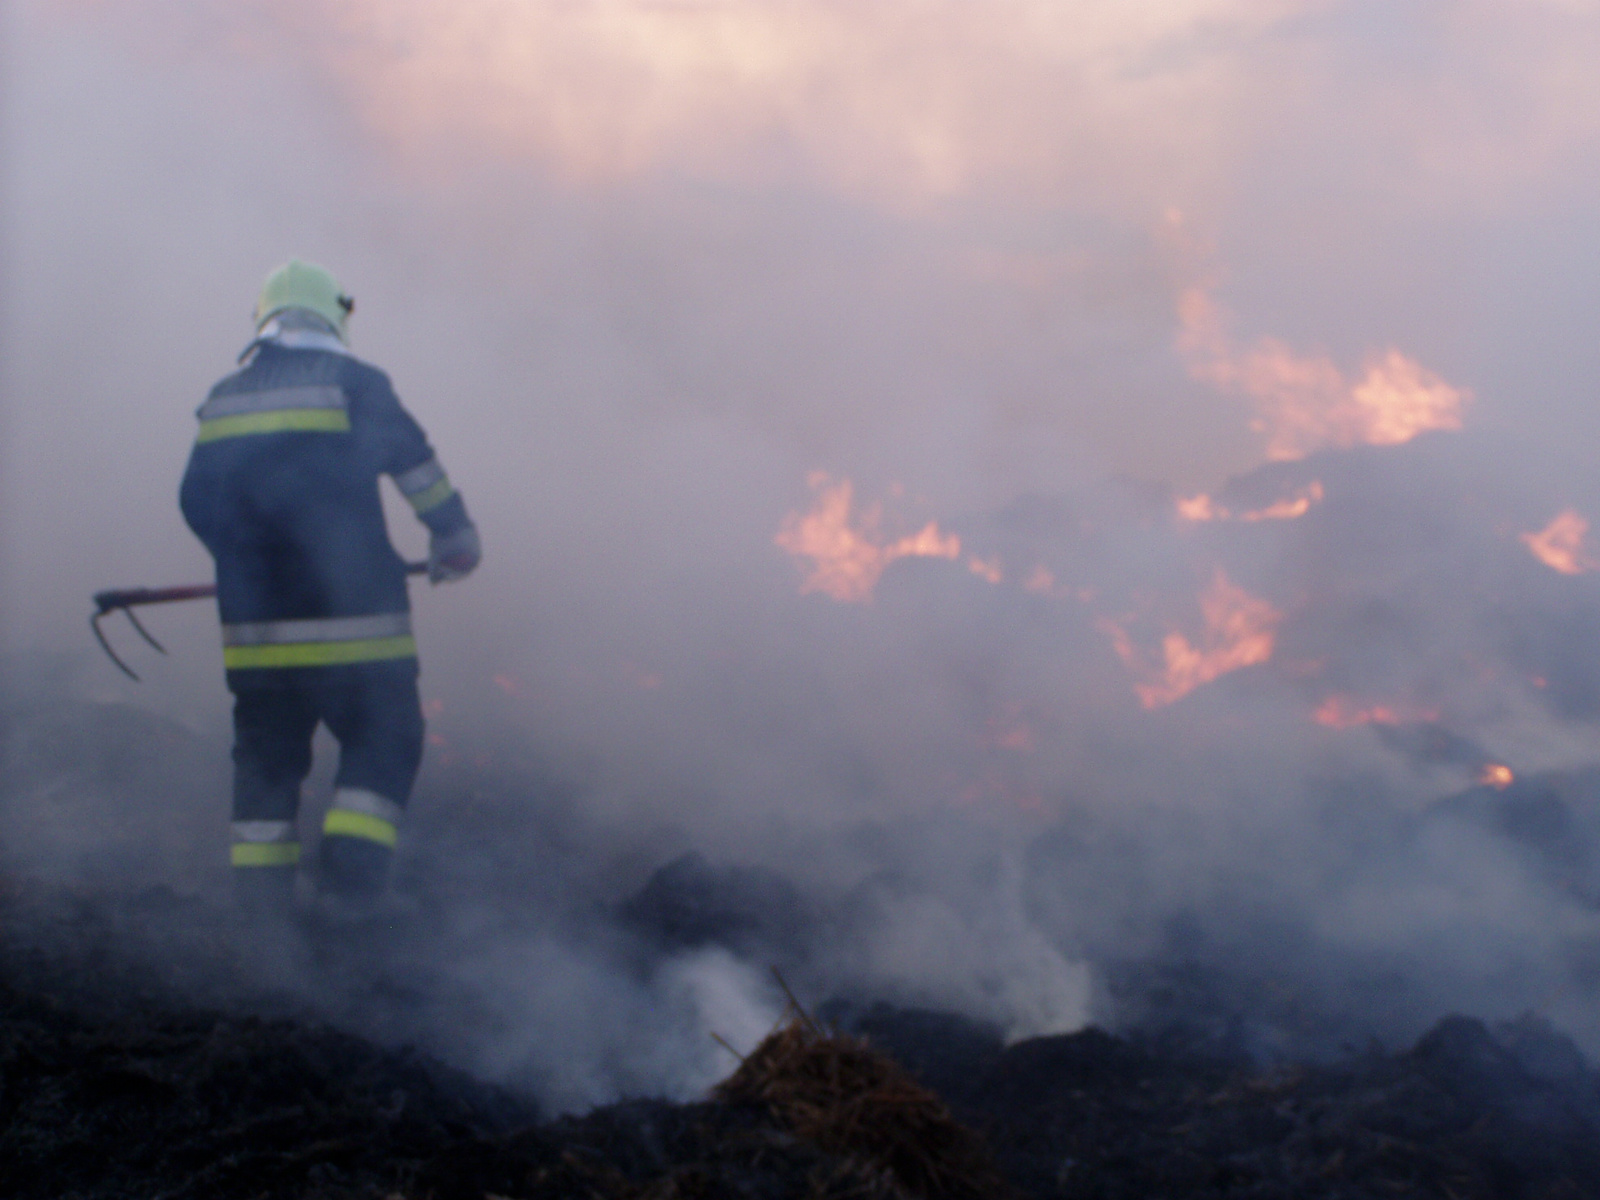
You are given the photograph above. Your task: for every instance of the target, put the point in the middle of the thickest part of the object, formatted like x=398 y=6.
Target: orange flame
x=847 y=560
x=1202 y=508
x=1340 y=712
x=1305 y=403
x=986 y=569
x=1496 y=775
x=1559 y=545
x=1240 y=632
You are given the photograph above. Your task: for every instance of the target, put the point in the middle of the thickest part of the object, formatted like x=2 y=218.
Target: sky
x=661 y=276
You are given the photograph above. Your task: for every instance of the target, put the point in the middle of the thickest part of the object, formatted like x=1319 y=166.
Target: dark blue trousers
x=376 y=717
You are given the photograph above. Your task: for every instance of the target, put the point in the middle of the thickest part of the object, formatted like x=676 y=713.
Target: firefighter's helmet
x=299 y=284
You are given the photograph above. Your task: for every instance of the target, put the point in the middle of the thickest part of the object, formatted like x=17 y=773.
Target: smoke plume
x=1029 y=497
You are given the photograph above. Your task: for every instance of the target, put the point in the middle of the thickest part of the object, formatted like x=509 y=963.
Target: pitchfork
x=126 y=599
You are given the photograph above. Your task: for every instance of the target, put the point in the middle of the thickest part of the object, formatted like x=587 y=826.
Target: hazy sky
x=922 y=239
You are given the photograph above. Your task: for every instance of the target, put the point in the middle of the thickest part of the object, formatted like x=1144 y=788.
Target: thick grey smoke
x=640 y=269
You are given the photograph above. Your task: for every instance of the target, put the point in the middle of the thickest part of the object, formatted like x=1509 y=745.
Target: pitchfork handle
x=128 y=597
x=104 y=602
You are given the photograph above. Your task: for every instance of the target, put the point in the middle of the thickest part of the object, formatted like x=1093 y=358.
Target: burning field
x=1233 y=843
x=1386 y=987
x=1039 y=629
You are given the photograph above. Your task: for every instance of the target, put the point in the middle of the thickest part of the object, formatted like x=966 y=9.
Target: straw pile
x=861 y=1108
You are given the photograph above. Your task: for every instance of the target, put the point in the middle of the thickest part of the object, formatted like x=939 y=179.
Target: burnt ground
x=116 y=1081
x=141 y=1057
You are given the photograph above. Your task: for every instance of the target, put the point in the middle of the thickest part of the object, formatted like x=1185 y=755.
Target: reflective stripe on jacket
x=324 y=642
x=312 y=408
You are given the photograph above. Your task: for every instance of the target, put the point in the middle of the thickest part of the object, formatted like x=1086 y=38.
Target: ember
x=1496 y=775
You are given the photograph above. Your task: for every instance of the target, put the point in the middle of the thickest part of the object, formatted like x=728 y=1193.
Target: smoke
x=644 y=270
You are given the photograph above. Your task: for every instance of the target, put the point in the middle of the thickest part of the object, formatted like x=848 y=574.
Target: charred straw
x=855 y=1103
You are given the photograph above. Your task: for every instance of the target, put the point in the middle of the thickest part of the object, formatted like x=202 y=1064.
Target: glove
x=454 y=555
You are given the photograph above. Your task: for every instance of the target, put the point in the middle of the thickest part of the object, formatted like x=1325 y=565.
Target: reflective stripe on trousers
x=328 y=641
x=264 y=844
x=360 y=813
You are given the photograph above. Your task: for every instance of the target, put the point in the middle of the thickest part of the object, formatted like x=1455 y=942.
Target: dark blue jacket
x=282 y=487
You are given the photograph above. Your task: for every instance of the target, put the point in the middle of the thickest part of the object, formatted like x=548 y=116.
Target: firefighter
x=282 y=487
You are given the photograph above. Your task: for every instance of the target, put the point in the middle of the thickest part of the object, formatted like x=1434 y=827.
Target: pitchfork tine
x=143 y=632
x=94 y=624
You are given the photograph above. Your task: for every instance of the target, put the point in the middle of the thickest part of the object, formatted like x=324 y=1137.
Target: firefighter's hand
x=454 y=555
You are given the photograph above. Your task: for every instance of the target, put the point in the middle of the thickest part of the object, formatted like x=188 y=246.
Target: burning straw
x=857 y=1104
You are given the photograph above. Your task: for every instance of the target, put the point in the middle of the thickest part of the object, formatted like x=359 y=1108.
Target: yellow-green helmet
x=299 y=284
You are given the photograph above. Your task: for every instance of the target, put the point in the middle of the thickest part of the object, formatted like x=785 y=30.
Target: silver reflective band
x=420 y=478
x=263 y=831
x=368 y=804
x=327 y=629
x=300 y=339
x=320 y=395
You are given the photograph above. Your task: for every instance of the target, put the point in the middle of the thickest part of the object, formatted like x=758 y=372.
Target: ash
x=539 y=1017
x=114 y=1082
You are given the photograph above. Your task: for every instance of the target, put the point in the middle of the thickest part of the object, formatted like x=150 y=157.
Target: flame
x=1340 y=712
x=1289 y=509
x=847 y=560
x=1559 y=545
x=1240 y=632
x=1202 y=508
x=1496 y=775
x=929 y=543
x=1302 y=403
x=986 y=569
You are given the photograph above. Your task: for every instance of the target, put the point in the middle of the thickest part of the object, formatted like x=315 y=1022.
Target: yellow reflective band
x=318 y=654
x=341 y=821
x=283 y=420
x=431 y=498
x=266 y=854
